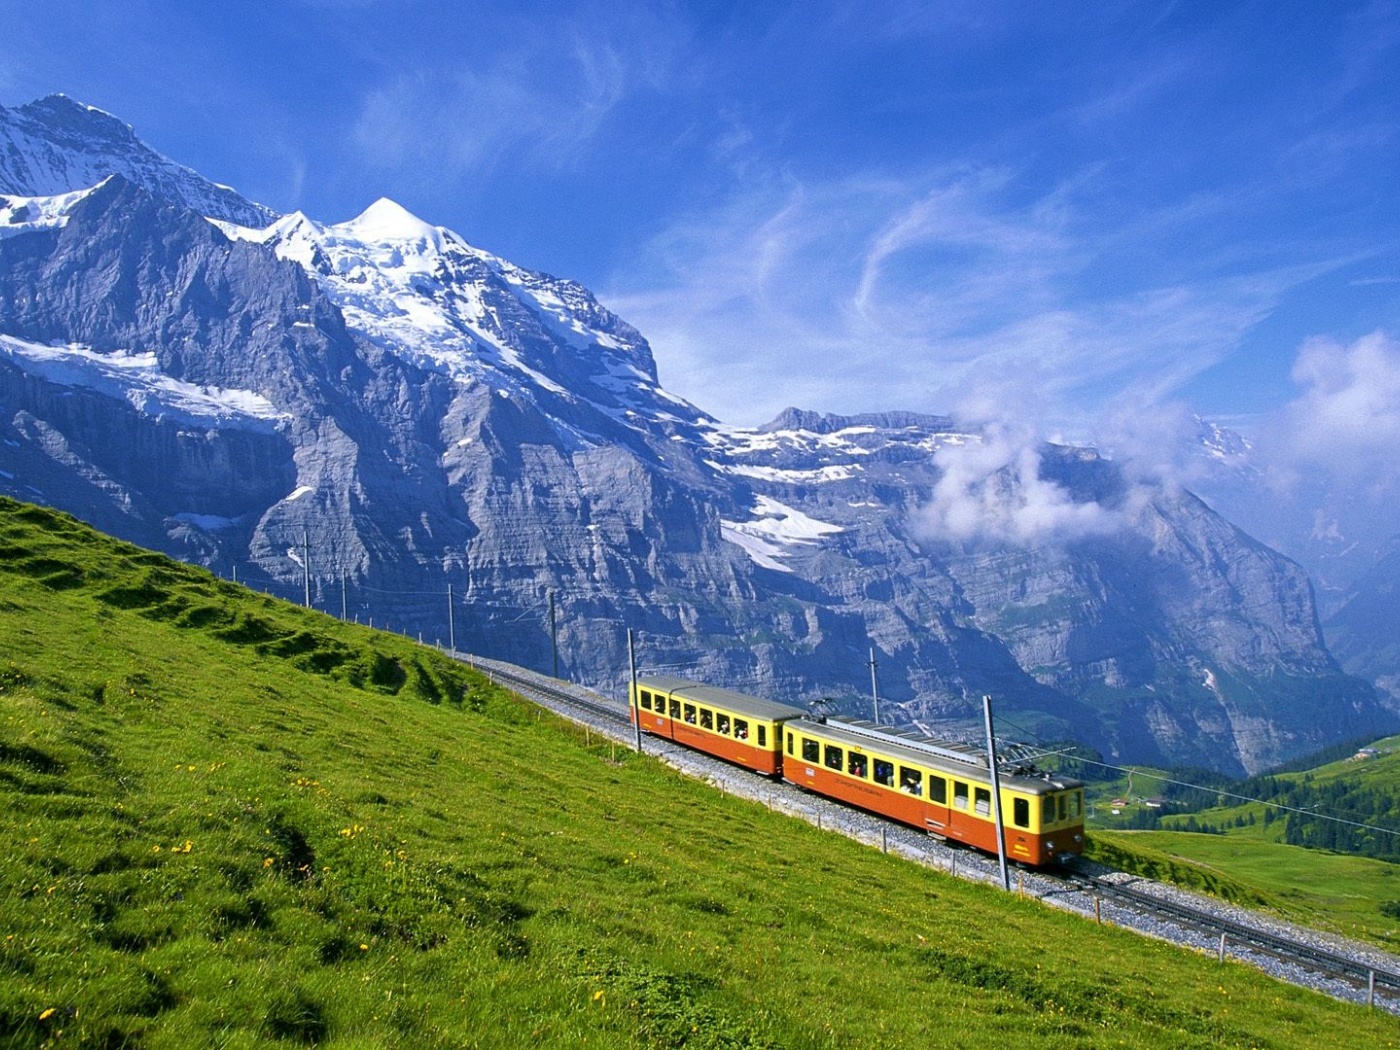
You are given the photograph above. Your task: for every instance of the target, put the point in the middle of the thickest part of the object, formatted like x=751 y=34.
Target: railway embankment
x=1336 y=966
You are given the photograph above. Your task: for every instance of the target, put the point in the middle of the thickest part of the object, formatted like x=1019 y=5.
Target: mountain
x=54 y=145
x=1365 y=629
x=383 y=414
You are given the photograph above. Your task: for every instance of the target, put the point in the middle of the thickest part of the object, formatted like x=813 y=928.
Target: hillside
x=1313 y=847
x=231 y=820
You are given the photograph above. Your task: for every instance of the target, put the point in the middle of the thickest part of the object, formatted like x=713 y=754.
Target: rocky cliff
x=384 y=408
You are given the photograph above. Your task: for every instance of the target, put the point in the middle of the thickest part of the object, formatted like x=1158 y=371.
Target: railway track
x=1375 y=978
x=532 y=684
x=1369 y=981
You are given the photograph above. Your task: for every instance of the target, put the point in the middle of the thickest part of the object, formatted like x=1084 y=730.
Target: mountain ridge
x=446 y=420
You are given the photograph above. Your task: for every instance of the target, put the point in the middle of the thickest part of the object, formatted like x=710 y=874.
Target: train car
x=746 y=730
x=939 y=787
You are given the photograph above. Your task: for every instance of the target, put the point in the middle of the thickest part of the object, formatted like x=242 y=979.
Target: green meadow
x=232 y=822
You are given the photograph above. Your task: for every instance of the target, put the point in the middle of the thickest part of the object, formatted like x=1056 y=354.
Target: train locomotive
x=940 y=787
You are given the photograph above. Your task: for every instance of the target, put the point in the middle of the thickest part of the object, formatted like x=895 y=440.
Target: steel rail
x=1327 y=963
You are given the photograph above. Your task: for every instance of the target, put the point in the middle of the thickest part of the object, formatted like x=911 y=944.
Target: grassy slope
x=232 y=821
x=1252 y=865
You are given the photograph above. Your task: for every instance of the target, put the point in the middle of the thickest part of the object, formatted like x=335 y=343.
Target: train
x=938 y=786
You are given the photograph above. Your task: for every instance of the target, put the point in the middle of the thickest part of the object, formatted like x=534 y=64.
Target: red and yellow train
x=939 y=787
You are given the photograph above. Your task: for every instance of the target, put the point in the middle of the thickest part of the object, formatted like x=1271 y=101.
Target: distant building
x=1365 y=753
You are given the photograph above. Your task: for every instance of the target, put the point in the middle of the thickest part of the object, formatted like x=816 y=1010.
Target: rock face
x=1365 y=630
x=390 y=412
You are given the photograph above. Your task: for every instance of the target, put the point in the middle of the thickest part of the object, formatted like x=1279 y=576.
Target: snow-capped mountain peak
x=424 y=294
x=390 y=222
x=55 y=145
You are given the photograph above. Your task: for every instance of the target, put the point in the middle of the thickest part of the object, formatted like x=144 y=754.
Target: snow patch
x=775 y=532
x=22 y=214
x=207 y=522
x=138 y=380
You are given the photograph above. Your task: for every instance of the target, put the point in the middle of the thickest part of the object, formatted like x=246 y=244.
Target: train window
x=911 y=780
x=959 y=794
x=1062 y=807
x=646 y=700
x=690 y=713
x=1021 y=812
x=937 y=790
x=741 y=728
x=1048 y=814
x=707 y=718
x=982 y=801
x=789 y=743
x=1076 y=805
x=811 y=750
x=722 y=724
x=856 y=765
x=884 y=772
x=675 y=709
x=833 y=757
x=762 y=736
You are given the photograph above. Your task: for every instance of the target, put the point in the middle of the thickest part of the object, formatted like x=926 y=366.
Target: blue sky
x=1072 y=212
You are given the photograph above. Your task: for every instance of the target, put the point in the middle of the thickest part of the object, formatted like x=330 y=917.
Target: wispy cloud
x=862 y=293
x=463 y=121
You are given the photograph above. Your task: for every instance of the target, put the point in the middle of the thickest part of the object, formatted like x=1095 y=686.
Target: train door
x=936 y=818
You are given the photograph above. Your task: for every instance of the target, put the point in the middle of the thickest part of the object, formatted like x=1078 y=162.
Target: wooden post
x=1222 y=947
x=1097 y=917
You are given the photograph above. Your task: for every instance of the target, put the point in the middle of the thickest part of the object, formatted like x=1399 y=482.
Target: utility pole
x=553 y=635
x=996 y=794
x=306 y=565
x=344 y=608
x=632 y=693
x=874 y=688
x=451 y=623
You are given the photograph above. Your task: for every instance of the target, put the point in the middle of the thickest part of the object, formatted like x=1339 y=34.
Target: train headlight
x=1079 y=838
x=1050 y=847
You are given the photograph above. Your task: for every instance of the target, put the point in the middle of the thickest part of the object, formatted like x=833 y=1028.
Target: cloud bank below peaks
x=994 y=490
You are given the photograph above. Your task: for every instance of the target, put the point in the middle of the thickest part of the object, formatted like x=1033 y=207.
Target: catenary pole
x=451 y=623
x=632 y=693
x=874 y=688
x=553 y=635
x=306 y=565
x=996 y=794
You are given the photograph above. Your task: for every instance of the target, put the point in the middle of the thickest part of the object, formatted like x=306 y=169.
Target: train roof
x=949 y=757
x=713 y=696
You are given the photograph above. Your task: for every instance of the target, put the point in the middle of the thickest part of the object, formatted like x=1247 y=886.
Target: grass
x=1328 y=891
x=231 y=822
x=1251 y=865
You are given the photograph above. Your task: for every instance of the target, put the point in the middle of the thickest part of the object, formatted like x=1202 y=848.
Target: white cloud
x=1350 y=403
x=1345 y=423
x=991 y=491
